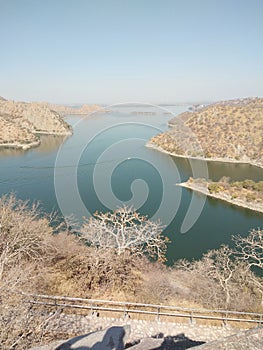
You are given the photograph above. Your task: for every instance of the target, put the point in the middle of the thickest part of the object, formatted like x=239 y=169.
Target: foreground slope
x=229 y=131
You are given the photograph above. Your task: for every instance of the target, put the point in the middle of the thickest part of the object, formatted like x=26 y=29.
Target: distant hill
x=225 y=131
x=20 y=123
x=79 y=110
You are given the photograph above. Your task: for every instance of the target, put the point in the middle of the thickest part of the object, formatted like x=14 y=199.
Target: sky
x=115 y=51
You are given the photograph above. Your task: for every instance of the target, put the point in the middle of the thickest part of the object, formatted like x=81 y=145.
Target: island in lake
x=246 y=194
x=227 y=131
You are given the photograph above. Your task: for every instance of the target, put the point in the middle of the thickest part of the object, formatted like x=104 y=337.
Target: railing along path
x=130 y=309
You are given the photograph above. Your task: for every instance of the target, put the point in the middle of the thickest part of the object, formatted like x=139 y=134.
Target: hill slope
x=224 y=131
x=80 y=110
x=20 y=123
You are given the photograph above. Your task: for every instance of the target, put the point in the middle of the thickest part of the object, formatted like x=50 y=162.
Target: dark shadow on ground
x=178 y=342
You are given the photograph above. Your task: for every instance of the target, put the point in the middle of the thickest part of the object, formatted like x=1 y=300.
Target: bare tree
x=211 y=277
x=221 y=267
x=126 y=230
x=249 y=250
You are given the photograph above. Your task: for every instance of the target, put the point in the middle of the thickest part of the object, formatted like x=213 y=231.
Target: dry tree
x=126 y=230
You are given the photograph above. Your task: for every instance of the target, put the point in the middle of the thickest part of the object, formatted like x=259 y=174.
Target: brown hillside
x=227 y=131
x=82 y=110
x=13 y=136
x=20 y=122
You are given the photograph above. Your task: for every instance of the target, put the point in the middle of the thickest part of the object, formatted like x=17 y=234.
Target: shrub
x=215 y=188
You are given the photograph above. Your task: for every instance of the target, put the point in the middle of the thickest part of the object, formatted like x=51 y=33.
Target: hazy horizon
x=115 y=51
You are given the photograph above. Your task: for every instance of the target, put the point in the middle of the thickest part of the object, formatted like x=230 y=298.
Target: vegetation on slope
x=226 y=131
x=247 y=193
x=13 y=136
x=38 y=257
x=20 y=123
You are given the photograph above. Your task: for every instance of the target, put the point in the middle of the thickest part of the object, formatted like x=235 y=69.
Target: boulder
x=112 y=338
x=251 y=339
x=147 y=344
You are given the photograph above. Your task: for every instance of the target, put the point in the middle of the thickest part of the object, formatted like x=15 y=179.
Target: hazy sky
x=158 y=51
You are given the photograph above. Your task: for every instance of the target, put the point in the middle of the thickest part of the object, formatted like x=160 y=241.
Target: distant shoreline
x=26 y=146
x=222 y=196
x=219 y=160
x=20 y=145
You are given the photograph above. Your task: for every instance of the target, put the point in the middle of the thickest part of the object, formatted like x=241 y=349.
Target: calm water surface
x=107 y=157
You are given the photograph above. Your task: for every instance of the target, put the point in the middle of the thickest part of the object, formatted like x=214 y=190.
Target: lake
x=105 y=164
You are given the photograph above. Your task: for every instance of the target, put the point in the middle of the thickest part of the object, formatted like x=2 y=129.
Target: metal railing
x=130 y=309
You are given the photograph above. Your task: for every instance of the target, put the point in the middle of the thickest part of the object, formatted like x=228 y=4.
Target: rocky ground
x=147 y=335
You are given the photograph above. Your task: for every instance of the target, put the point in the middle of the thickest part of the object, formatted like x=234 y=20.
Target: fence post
x=225 y=319
x=158 y=314
x=191 y=317
x=124 y=311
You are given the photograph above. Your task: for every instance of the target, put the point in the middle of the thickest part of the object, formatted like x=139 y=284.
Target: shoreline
x=26 y=146
x=19 y=145
x=222 y=196
x=219 y=160
x=53 y=133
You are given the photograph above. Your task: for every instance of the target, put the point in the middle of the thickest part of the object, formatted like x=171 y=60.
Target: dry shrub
x=206 y=289
x=25 y=243
x=20 y=325
x=89 y=271
x=156 y=287
x=24 y=234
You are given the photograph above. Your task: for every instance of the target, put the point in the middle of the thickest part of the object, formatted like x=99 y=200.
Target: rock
x=251 y=339
x=112 y=338
x=147 y=344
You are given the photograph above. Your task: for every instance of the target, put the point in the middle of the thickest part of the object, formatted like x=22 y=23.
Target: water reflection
x=49 y=143
x=216 y=170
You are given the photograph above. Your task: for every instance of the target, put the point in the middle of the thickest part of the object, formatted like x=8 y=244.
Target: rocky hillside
x=20 y=123
x=12 y=135
x=225 y=131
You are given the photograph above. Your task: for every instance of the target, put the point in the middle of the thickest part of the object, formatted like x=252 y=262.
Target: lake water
x=105 y=164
